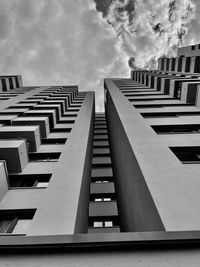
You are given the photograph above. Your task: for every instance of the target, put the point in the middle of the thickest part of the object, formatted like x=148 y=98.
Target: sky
x=81 y=42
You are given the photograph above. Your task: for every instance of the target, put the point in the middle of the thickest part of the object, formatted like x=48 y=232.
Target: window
x=177 y=129
x=54 y=156
x=53 y=141
x=103 y=224
x=187 y=155
x=101 y=181
x=187 y=65
x=11 y=83
x=29 y=180
x=4 y=84
x=180 y=63
x=108 y=223
x=16 y=222
x=173 y=64
x=193 y=47
x=98 y=224
x=61 y=130
x=102 y=199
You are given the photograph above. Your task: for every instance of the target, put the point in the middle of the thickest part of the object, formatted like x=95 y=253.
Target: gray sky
x=52 y=42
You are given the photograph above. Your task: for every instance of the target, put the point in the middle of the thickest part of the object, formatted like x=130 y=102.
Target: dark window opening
x=65 y=122
x=53 y=141
x=187 y=65
x=193 y=47
x=53 y=156
x=149 y=99
x=162 y=63
x=197 y=65
x=149 y=106
x=169 y=114
x=61 y=130
x=4 y=87
x=152 y=82
x=163 y=105
x=29 y=180
x=158 y=84
x=166 y=86
x=167 y=64
x=177 y=129
x=17 y=82
x=15 y=221
x=187 y=155
x=180 y=60
x=11 y=83
x=173 y=64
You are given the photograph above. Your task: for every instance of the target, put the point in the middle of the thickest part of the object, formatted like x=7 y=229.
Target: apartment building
x=74 y=180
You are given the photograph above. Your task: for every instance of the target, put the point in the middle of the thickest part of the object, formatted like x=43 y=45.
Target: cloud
x=59 y=43
x=148 y=29
x=82 y=42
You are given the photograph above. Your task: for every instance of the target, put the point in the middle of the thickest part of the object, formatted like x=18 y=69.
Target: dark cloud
x=103 y=6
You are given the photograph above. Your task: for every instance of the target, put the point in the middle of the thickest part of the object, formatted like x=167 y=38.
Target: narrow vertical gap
x=103 y=211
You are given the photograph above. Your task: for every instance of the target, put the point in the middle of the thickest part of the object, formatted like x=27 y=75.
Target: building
x=75 y=183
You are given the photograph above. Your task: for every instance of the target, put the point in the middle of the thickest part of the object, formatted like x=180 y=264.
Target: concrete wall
x=62 y=205
x=81 y=225
x=137 y=210
x=172 y=187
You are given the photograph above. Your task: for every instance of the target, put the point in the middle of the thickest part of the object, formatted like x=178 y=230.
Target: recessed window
x=16 y=222
x=98 y=199
x=103 y=224
x=193 y=47
x=61 y=130
x=53 y=141
x=29 y=180
x=98 y=224
x=173 y=64
x=187 y=155
x=44 y=156
x=177 y=129
x=102 y=199
x=101 y=181
x=108 y=224
x=107 y=199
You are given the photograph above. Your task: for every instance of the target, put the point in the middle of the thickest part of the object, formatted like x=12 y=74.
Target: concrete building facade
x=75 y=183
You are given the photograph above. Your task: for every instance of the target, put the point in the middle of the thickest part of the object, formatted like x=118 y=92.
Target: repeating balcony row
x=184 y=88
x=182 y=64
x=103 y=213
x=8 y=83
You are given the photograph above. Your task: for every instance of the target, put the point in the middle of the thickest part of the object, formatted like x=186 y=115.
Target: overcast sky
x=65 y=42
